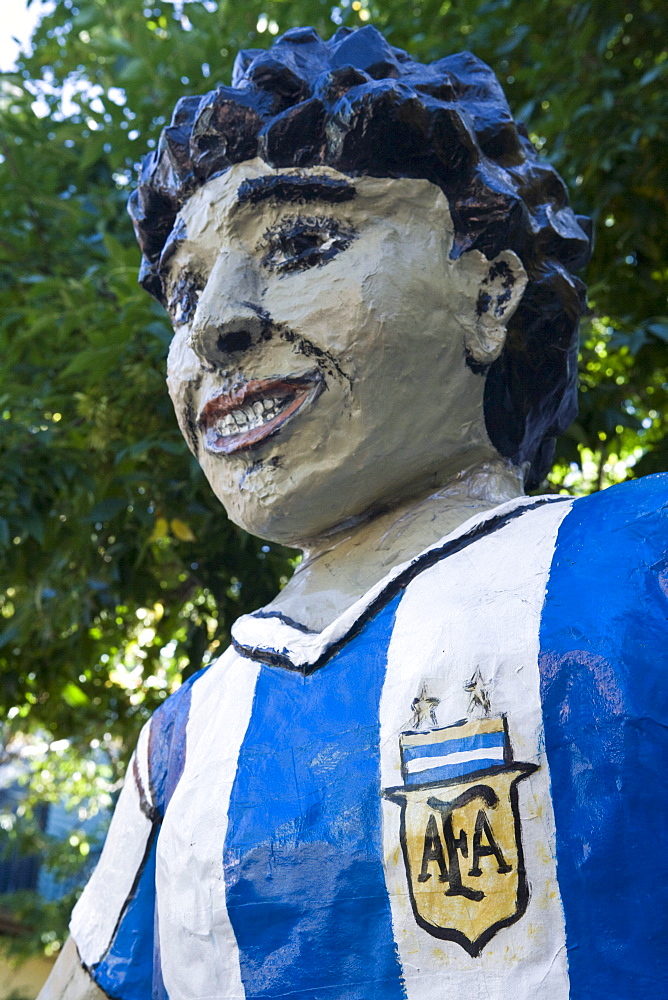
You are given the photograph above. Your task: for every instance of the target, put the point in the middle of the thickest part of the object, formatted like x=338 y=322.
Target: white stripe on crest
x=459 y=757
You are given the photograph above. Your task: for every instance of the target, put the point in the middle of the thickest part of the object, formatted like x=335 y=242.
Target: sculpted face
x=318 y=367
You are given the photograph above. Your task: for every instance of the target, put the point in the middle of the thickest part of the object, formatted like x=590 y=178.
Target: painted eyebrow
x=288 y=188
x=284 y=189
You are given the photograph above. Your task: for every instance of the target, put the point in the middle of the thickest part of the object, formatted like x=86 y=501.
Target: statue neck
x=336 y=570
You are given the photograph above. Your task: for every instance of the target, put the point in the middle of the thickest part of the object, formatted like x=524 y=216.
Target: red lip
x=279 y=398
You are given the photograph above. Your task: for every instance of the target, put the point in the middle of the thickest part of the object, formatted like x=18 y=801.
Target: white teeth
x=226 y=425
x=248 y=417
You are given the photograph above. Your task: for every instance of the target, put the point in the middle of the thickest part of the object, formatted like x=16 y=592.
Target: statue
x=427 y=768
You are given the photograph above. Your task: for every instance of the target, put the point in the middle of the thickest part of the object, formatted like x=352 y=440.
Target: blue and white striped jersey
x=454 y=791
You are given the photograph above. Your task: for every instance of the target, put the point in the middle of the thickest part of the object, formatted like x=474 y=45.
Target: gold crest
x=461 y=832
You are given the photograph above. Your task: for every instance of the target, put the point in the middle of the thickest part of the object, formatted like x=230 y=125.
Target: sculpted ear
x=496 y=287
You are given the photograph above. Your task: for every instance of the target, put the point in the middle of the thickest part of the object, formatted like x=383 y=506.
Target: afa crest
x=460 y=830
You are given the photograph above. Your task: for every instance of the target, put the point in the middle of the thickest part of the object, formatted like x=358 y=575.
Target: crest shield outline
x=461 y=832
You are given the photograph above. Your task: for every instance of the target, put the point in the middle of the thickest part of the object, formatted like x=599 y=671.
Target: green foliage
x=119 y=572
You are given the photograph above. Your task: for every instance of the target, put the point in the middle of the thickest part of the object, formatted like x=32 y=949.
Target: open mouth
x=242 y=419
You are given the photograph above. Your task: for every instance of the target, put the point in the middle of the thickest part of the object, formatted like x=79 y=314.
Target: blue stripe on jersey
x=604 y=656
x=167 y=743
x=306 y=891
x=126 y=971
x=480 y=741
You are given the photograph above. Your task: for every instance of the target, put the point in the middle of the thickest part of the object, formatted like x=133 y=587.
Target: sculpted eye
x=296 y=244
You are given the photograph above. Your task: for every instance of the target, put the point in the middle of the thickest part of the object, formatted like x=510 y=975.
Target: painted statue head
x=369 y=271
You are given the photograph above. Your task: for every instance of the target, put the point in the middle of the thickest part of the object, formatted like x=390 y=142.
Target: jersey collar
x=269 y=637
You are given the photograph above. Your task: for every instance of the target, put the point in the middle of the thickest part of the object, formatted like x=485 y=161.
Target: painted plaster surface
x=282 y=865
x=340 y=331
x=112 y=882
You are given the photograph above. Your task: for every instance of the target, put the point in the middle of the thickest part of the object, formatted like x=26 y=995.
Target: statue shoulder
x=626 y=522
x=605 y=603
x=624 y=503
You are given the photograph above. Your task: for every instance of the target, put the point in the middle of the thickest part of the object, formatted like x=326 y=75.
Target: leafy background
x=119 y=572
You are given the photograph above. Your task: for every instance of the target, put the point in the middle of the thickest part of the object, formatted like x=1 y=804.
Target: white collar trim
x=271 y=638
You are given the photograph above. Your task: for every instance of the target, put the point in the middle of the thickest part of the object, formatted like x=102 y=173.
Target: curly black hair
x=360 y=105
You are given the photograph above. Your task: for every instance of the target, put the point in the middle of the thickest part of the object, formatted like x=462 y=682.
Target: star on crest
x=424 y=706
x=478 y=694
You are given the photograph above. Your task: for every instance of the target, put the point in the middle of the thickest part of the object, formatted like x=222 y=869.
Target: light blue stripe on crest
x=454 y=745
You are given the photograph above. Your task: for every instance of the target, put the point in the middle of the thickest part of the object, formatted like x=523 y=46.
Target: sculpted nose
x=229 y=318
x=215 y=338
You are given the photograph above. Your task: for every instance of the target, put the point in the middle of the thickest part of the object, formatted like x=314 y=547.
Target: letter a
x=482 y=826
x=433 y=851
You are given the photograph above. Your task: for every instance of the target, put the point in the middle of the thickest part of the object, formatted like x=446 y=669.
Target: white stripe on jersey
x=96 y=914
x=480 y=609
x=200 y=958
